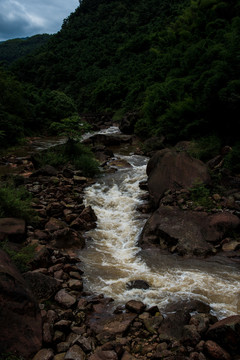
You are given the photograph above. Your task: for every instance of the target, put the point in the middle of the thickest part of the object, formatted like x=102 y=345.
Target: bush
x=72 y=152
x=9 y=356
x=87 y=164
x=21 y=258
x=232 y=159
x=16 y=202
x=200 y=195
x=53 y=156
x=205 y=148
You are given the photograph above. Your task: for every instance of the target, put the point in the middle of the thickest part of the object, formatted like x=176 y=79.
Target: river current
x=112 y=257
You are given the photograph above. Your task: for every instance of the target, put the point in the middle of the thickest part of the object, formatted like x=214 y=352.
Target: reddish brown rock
x=44 y=354
x=67 y=238
x=219 y=224
x=135 y=306
x=75 y=353
x=128 y=356
x=186 y=232
x=54 y=225
x=65 y=299
x=226 y=333
x=104 y=355
x=169 y=169
x=21 y=325
x=88 y=214
x=42 y=286
x=215 y=351
x=112 y=325
x=14 y=229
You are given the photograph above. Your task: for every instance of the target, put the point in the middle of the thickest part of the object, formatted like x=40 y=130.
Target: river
x=112 y=258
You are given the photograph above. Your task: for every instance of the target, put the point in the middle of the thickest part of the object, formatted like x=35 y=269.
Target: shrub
x=21 y=258
x=72 y=152
x=200 y=195
x=232 y=159
x=205 y=148
x=9 y=356
x=53 y=156
x=16 y=202
x=88 y=165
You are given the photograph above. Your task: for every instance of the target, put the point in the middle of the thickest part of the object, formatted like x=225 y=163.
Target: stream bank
x=78 y=324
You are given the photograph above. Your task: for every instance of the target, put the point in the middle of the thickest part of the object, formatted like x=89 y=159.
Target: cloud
x=29 y=17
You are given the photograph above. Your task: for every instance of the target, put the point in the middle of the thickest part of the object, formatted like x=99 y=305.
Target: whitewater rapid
x=112 y=257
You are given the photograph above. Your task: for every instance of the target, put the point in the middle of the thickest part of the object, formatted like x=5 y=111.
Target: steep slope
x=175 y=62
x=11 y=50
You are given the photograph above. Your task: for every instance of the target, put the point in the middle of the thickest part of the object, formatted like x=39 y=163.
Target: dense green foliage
x=21 y=259
x=15 y=201
x=11 y=50
x=73 y=152
x=176 y=62
x=26 y=110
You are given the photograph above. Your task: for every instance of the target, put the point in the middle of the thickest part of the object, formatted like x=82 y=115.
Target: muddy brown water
x=112 y=257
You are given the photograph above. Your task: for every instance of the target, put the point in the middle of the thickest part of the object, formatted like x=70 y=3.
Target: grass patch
x=205 y=148
x=16 y=202
x=9 y=356
x=20 y=258
x=200 y=195
x=232 y=159
x=72 y=152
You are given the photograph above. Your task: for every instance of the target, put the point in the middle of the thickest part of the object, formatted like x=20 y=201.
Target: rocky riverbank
x=49 y=315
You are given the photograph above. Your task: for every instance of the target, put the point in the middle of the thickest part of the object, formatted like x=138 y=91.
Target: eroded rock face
x=186 y=232
x=21 y=325
x=169 y=169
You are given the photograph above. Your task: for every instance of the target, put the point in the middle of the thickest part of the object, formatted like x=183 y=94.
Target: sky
x=22 y=18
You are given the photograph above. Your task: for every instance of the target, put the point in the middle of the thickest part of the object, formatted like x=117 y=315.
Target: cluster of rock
x=180 y=225
x=49 y=316
x=46 y=312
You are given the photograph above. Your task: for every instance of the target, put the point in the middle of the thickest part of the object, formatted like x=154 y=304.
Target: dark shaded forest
x=175 y=63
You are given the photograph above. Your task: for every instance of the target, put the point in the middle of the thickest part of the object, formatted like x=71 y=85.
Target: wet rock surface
x=21 y=323
x=75 y=324
x=168 y=169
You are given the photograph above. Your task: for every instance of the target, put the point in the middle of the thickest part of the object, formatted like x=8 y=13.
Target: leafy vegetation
x=232 y=159
x=200 y=195
x=205 y=148
x=11 y=50
x=174 y=62
x=16 y=202
x=72 y=152
x=9 y=356
x=21 y=258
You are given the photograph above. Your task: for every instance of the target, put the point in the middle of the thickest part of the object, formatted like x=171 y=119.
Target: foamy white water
x=112 y=258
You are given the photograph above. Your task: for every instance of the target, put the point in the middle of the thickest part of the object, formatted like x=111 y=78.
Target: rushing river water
x=112 y=257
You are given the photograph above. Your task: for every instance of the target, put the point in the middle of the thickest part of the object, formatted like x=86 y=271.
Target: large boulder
x=42 y=286
x=186 y=232
x=110 y=326
x=21 y=325
x=109 y=140
x=226 y=332
x=12 y=228
x=169 y=169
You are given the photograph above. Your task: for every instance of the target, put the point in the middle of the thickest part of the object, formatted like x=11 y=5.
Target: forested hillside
x=11 y=50
x=177 y=63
